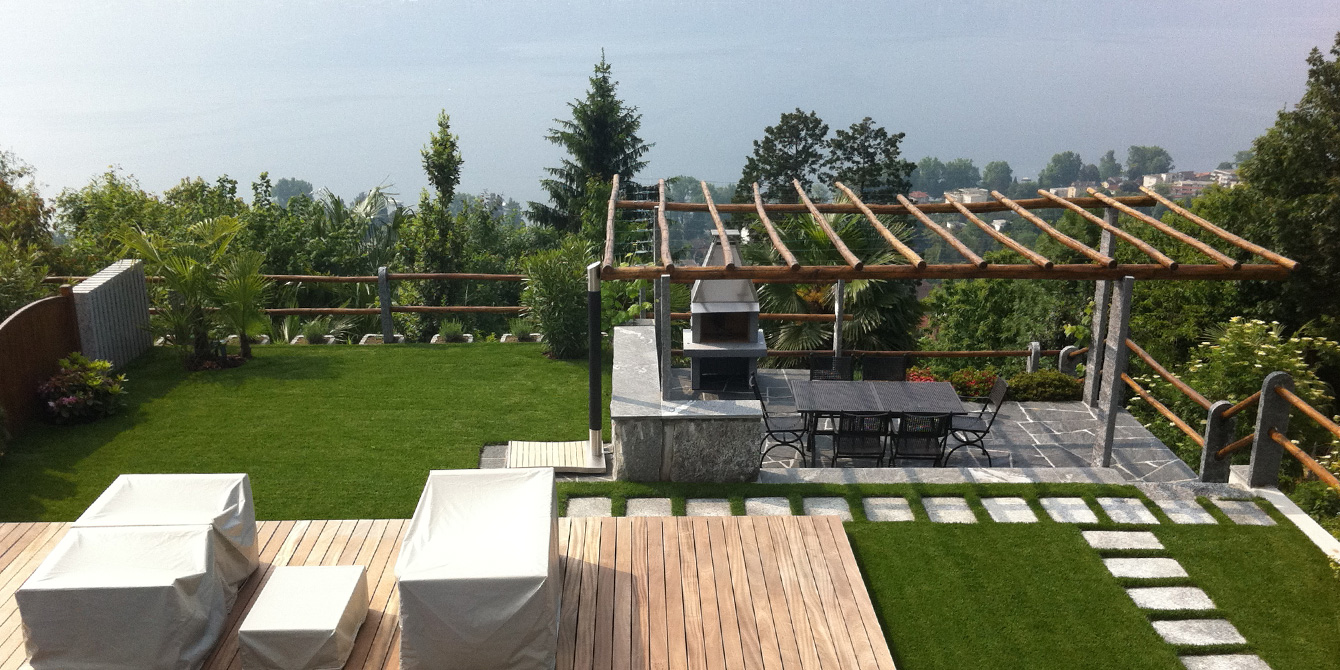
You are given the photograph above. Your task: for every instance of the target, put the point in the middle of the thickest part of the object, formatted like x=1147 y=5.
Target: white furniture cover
x=136 y=598
x=306 y=618
x=478 y=572
x=220 y=500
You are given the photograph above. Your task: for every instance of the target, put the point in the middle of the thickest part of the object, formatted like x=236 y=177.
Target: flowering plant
x=920 y=374
x=973 y=383
x=82 y=390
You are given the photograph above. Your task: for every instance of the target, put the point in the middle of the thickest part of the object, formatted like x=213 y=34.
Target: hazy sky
x=345 y=93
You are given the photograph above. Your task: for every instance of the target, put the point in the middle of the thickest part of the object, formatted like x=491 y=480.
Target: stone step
x=707 y=507
x=648 y=507
x=887 y=509
x=586 y=507
x=1144 y=568
x=828 y=507
x=767 y=507
x=1185 y=511
x=1068 y=510
x=1170 y=598
x=1118 y=539
x=1225 y=662
x=1127 y=510
x=948 y=510
x=1009 y=510
x=1199 y=632
x=1244 y=512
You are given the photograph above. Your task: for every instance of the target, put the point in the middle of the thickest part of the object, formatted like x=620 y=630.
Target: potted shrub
x=82 y=391
x=451 y=330
x=520 y=329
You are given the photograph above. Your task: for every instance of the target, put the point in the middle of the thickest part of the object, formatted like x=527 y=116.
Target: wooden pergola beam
x=960 y=247
x=842 y=208
x=1162 y=227
x=1138 y=243
x=828 y=273
x=667 y=261
x=888 y=235
x=846 y=253
x=1223 y=234
x=1065 y=240
x=726 y=256
x=777 y=243
x=609 y=223
x=1033 y=256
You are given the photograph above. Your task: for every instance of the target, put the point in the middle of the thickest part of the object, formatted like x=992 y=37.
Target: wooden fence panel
x=32 y=340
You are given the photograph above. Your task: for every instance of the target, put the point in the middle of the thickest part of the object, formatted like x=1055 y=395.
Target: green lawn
x=325 y=432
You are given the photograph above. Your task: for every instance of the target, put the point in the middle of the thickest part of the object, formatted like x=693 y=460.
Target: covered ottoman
x=306 y=618
x=478 y=572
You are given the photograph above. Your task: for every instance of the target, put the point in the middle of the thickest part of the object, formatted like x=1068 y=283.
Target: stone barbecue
x=723 y=342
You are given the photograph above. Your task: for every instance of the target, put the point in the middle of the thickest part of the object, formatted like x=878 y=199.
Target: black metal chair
x=920 y=437
x=860 y=435
x=884 y=368
x=830 y=368
x=787 y=429
x=971 y=429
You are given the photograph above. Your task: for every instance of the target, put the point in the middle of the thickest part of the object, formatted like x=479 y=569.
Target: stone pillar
x=839 y=297
x=1218 y=434
x=663 y=332
x=1034 y=357
x=1114 y=357
x=1272 y=412
x=1065 y=363
x=1102 y=295
x=384 y=297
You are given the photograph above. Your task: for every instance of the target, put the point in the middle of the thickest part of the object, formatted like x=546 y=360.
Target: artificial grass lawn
x=326 y=432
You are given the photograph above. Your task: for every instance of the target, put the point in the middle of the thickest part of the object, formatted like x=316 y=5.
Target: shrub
x=920 y=374
x=1045 y=385
x=520 y=328
x=974 y=383
x=82 y=391
x=555 y=297
x=21 y=276
x=317 y=329
x=451 y=330
x=1316 y=498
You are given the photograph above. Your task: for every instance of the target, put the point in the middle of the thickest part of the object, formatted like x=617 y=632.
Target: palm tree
x=240 y=294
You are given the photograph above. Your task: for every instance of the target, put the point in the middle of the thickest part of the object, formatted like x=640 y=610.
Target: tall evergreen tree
x=430 y=241
x=601 y=140
x=1108 y=166
x=866 y=158
x=792 y=149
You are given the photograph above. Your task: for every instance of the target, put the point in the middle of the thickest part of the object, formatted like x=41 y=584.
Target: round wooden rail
x=1078 y=352
x=344 y=279
x=1308 y=462
x=769 y=316
x=820 y=273
x=1311 y=412
x=792 y=353
x=1237 y=445
x=1246 y=402
x=1163 y=409
x=1168 y=376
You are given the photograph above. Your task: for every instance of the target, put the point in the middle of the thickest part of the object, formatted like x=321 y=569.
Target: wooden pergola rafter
x=1101 y=266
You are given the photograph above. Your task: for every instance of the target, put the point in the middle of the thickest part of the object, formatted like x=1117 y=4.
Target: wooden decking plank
x=381 y=590
x=657 y=658
x=11 y=535
x=225 y=652
x=343 y=535
x=676 y=652
x=816 y=650
x=847 y=647
x=386 y=639
x=573 y=550
x=334 y=528
x=744 y=604
x=23 y=564
x=823 y=624
x=878 y=643
x=844 y=590
x=725 y=590
x=583 y=657
x=713 y=649
x=770 y=627
x=693 y=606
x=355 y=543
x=311 y=532
x=14 y=557
x=604 y=640
x=638 y=658
x=393 y=654
x=371 y=542
x=622 y=643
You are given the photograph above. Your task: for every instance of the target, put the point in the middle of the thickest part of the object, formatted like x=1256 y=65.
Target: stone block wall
x=112 y=307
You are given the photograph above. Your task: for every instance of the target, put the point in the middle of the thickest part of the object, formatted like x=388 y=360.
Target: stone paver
x=1199 y=632
x=948 y=510
x=1170 y=598
x=1224 y=662
x=1185 y=511
x=707 y=507
x=1009 y=510
x=828 y=507
x=1245 y=512
x=1127 y=510
x=1068 y=510
x=1144 y=568
x=887 y=509
x=648 y=507
x=578 y=507
x=1118 y=539
x=767 y=507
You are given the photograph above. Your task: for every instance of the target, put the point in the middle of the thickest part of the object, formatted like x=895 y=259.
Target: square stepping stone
x=648 y=507
x=1118 y=539
x=887 y=509
x=579 y=507
x=1185 y=511
x=1009 y=510
x=1199 y=632
x=1170 y=598
x=1068 y=510
x=828 y=507
x=767 y=507
x=1225 y=662
x=1127 y=510
x=948 y=510
x=1245 y=513
x=707 y=507
x=1144 y=568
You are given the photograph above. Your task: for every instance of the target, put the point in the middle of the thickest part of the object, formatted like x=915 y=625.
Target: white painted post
x=839 y=296
x=1114 y=357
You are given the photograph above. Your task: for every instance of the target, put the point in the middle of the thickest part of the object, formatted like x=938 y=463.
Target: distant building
x=1225 y=178
x=919 y=196
x=998 y=224
x=1152 y=180
x=1188 y=188
x=967 y=195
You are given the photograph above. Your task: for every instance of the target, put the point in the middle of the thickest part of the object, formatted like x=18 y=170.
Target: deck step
x=574 y=456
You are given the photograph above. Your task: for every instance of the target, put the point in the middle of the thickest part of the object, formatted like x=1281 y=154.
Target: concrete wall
x=113 y=311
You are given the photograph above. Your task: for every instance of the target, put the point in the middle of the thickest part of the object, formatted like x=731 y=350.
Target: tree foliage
x=1141 y=161
x=961 y=173
x=286 y=188
x=795 y=148
x=1108 y=166
x=1062 y=170
x=866 y=159
x=997 y=176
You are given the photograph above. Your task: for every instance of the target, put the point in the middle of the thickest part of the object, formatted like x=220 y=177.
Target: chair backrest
x=860 y=433
x=830 y=368
x=758 y=395
x=884 y=368
x=921 y=434
x=995 y=400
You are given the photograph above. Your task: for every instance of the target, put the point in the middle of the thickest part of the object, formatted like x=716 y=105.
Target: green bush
x=21 y=274
x=555 y=296
x=521 y=328
x=451 y=330
x=82 y=391
x=973 y=382
x=1316 y=498
x=1044 y=385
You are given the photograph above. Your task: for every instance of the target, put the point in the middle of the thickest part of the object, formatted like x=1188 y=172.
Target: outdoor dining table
x=818 y=398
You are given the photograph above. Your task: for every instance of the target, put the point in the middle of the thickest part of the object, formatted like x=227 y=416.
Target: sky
x=344 y=93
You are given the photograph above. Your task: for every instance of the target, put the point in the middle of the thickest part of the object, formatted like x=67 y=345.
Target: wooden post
x=1218 y=434
x=1273 y=413
x=839 y=296
x=384 y=297
x=593 y=381
x=1102 y=295
x=1114 y=365
x=1034 y=357
x=663 y=333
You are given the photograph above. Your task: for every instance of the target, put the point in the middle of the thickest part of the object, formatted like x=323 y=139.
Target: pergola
x=1106 y=361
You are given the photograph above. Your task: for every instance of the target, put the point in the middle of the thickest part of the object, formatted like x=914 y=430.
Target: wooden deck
x=674 y=593
x=561 y=456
